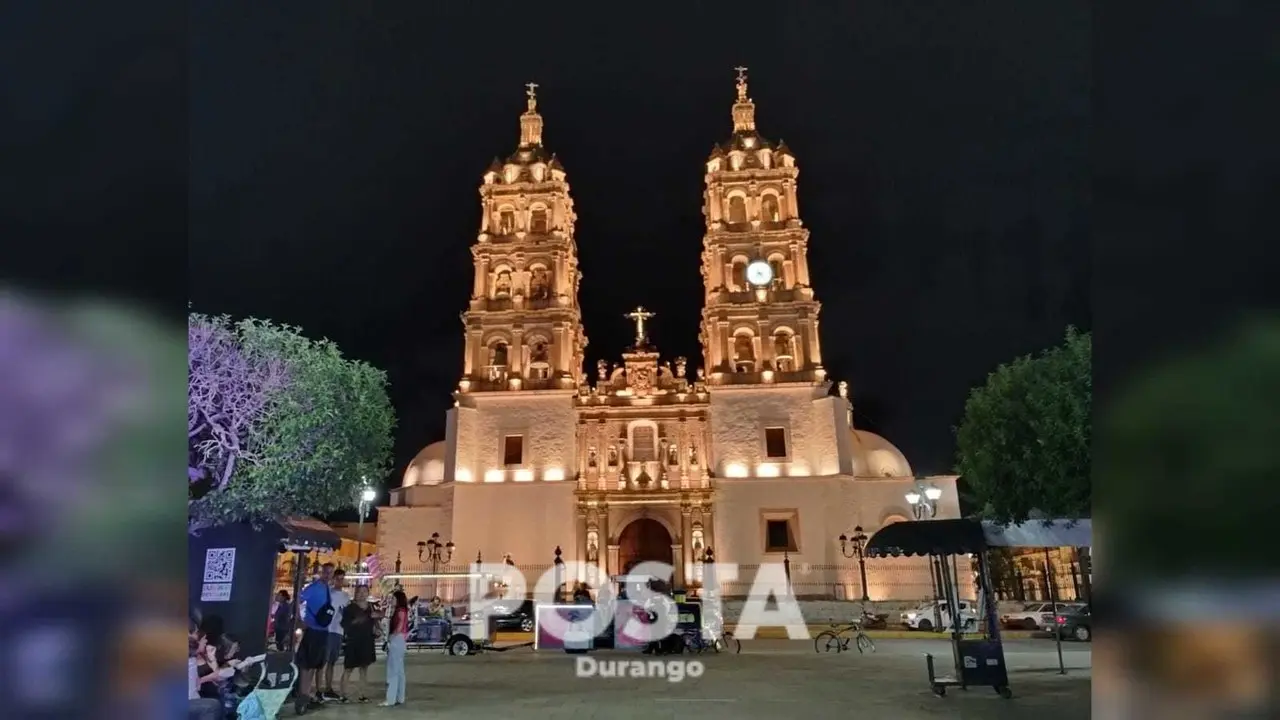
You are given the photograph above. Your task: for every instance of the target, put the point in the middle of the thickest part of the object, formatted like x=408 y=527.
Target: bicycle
x=838 y=638
x=697 y=642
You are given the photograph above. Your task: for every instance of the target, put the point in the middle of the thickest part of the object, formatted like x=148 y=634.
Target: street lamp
x=437 y=552
x=924 y=501
x=367 y=496
x=859 y=543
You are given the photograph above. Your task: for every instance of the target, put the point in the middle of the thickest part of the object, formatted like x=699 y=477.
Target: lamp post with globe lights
x=859 y=543
x=367 y=495
x=437 y=552
x=924 y=506
x=924 y=501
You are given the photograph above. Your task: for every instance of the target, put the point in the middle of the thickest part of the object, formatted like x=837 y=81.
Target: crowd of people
x=338 y=628
x=341 y=627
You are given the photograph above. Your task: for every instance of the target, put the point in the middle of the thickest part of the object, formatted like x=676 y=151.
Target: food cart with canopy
x=981 y=661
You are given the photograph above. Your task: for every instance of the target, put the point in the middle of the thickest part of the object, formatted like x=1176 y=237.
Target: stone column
x=471 y=358
x=815 y=346
x=482 y=278
x=801 y=263
x=515 y=356
x=677 y=562
x=609 y=549
x=726 y=357
x=581 y=543
x=686 y=538
x=612 y=567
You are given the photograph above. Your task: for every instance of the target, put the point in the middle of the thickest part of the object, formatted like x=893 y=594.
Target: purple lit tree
x=278 y=424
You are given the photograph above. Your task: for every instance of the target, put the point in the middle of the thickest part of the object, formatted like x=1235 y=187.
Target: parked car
x=924 y=617
x=1034 y=616
x=1075 y=623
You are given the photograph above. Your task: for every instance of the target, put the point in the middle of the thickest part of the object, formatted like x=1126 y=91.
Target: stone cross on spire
x=744 y=111
x=531 y=121
x=639 y=315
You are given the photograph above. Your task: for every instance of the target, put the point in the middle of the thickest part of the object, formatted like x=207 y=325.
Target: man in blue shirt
x=316 y=603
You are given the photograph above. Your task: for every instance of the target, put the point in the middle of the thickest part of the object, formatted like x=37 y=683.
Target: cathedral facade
x=751 y=458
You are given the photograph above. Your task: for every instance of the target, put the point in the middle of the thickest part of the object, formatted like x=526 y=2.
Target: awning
x=1040 y=534
x=308 y=533
x=927 y=537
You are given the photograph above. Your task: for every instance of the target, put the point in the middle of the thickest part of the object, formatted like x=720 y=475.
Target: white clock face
x=759 y=273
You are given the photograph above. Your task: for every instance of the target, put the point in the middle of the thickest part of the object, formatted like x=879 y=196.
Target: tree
x=278 y=424
x=1023 y=444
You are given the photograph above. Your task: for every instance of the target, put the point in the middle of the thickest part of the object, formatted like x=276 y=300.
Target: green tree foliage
x=1024 y=442
x=322 y=430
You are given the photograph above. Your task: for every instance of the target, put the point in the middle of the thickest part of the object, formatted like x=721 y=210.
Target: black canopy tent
x=246 y=597
x=977 y=662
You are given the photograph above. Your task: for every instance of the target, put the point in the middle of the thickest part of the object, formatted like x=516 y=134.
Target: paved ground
x=769 y=679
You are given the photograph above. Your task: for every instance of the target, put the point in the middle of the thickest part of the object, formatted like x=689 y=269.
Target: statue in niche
x=844 y=388
x=539 y=284
x=613 y=456
x=693 y=455
x=672 y=457
x=538 y=353
x=602 y=369
x=506 y=222
x=593 y=549
x=591 y=456
x=502 y=285
x=681 y=365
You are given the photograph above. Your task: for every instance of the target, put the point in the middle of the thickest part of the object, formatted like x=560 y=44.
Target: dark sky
x=943 y=150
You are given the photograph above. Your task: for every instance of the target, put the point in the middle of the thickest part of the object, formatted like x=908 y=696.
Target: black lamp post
x=559 y=565
x=437 y=552
x=859 y=543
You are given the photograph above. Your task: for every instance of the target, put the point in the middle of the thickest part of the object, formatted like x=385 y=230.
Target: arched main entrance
x=644 y=540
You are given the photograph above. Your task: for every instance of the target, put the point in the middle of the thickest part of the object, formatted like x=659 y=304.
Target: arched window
x=738 y=278
x=498 y=358
x=539 y=283
x=784 y=351
x=744 y=353
x=538 y=220
x=502 y=284
x=506 y=221
x=769 y=209
x=737 y=209
x=775 y=264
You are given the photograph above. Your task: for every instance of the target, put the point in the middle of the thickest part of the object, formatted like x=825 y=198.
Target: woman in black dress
x=360 y=623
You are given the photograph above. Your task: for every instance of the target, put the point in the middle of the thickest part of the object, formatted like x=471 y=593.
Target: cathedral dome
x=877 y=457
x=427 y=468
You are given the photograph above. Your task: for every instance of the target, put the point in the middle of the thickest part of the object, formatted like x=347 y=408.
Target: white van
x=924 y=617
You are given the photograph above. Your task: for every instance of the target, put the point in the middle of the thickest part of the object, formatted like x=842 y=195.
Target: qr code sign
x=219 y=565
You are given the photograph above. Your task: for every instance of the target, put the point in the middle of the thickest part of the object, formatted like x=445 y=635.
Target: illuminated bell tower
x=523 y=324
x=759 y=316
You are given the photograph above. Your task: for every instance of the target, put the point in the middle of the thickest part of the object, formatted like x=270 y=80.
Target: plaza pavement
x=769 y=679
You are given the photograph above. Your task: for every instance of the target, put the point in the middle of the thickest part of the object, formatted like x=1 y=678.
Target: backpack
x=324 y=613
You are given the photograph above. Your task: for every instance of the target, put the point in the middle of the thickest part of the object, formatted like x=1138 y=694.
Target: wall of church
x=400 y=528
x=739 y=418
x=527 y=520
x=546 y=424
x=818 y=511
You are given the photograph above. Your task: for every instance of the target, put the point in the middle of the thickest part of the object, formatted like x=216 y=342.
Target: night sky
x=943 y=174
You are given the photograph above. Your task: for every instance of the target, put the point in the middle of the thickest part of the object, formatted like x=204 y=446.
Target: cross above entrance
x=639 y=315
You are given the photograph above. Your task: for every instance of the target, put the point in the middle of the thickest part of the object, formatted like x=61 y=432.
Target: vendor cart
x=450 y=628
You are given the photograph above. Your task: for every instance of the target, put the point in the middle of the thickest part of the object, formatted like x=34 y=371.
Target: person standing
x=397 y=646
x=360 y=620
x=282 y=620
x=340 y=599
x=313 y=651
